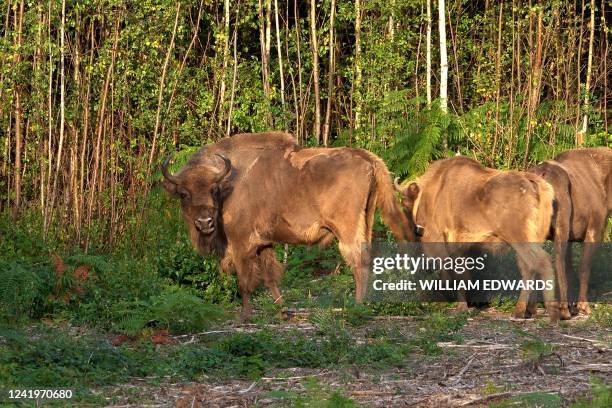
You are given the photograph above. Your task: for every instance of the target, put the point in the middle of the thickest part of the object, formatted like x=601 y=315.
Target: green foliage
x=179 y=262
x=315 y=395
x=602 y=315
x=601 y=396
x=23 y=290
x=54 y=359
x=415 y=134
x=175 y=309
x=439 y=327
x=532 y=399
x=533 y=348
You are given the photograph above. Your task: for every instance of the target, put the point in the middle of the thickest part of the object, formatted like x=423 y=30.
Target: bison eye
x=183 y=193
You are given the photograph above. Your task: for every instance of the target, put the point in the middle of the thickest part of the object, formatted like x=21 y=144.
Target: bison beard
x=582 y=180
x=276 y=193
x=459 y=200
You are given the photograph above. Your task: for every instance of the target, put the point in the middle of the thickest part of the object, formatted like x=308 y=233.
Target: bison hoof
x=564 y=312
x=245 y=316
x=461 y=307
x=532 y=310
x=520 y=311
x=553 y=311
x=584 y=308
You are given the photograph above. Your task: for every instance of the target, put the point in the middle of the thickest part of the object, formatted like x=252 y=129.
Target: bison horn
x=226 y=169
x=164 y=168
x=397 y=184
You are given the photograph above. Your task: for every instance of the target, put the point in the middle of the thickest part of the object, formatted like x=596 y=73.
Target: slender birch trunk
x=299 y=119
x=58 y=156
x=226 y=22
x=18 y=114
x=314 y=46
x=534 y=85
x=234 y=74
x=428 y=55
x=280 y=55
x=162 y=81
x=443 y=57
x=356 y=94
x=330 y=73
x=585 y=119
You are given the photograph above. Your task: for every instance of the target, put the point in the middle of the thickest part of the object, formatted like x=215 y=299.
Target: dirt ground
x=490 y=366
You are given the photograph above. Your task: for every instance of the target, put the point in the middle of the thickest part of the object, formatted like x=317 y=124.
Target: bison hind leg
x=533 y=259
x=353 y=257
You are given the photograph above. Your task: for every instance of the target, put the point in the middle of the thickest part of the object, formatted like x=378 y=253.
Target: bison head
x=201 y=188
x=409 y=197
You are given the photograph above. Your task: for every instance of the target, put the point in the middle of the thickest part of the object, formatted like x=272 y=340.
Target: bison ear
x=176 y=190
x=169 y=187
x=412 y=191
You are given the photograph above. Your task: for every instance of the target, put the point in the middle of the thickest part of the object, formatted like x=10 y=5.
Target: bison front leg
x=585 y=271
x=248 y=278
x=447 y=276
x=560 y=267
x=272 y=272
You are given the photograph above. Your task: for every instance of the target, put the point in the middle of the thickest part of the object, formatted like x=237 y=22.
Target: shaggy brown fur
x=276 y=192
x=459 y=200
x=582 y=180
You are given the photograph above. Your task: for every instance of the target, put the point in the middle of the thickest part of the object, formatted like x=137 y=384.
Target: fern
x=175 y=309
x=416 y=135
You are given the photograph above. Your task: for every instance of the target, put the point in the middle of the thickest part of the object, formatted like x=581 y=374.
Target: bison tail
x=386 y=201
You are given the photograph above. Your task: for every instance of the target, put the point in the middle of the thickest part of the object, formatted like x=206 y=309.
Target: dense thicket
x=93 y=93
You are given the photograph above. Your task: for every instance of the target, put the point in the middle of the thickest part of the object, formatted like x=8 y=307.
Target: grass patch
x=601 y=397
x=602 y=315
x=315 y=395
x=532 y=399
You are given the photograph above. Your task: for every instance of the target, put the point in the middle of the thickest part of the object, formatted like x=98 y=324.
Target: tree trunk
x=299 y=118
x=534 y=84
x=356 y=94
x=226 y=21
x=18 y=115
x=58 y=156
x=443 y=57
x=264 y=31
x=280 y=55
x=498 y=78
x=428 y=55
x=330 y=73
x=234 y=74
x=162 y=81
x=314 y=46
x=585 y=119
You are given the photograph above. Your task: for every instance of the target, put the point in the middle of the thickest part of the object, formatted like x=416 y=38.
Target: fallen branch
x=248 y=389
x=596 y=343
x=459 y=375
x=493 y=346
x=298 y=377
x=601 y=367
x=506 y=394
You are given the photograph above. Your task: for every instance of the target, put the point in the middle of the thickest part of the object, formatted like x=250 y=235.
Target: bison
x=582 y=180
x=246 y=193
x=458 y=200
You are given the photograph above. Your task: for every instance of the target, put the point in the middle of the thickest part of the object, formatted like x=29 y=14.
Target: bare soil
x=491 y=365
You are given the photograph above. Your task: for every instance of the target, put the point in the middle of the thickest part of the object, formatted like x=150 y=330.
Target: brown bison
x=244 y=194
x=459 y=200
x=582 y=180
